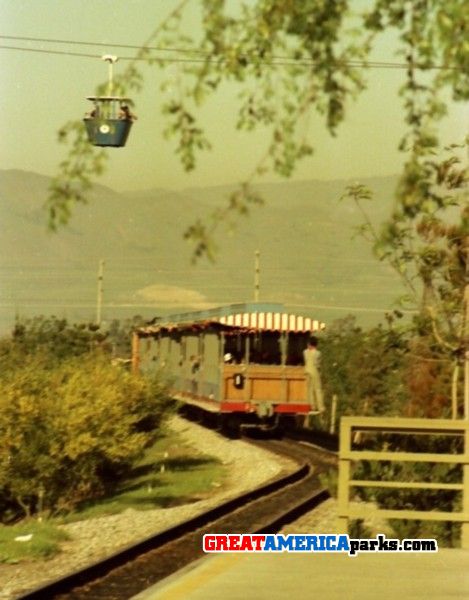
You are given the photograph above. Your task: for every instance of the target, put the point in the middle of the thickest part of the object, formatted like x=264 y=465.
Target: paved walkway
x=440 y=576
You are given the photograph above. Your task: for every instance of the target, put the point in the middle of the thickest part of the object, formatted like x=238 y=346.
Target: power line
x=95 y=56
x=98 y=44
x=161 y=303
x=275 y=61
x=351 y=308
x=42 y=51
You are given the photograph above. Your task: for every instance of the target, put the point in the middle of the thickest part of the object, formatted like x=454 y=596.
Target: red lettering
x=222 y=543
x=258 y=541
x=246 y=543
x=209 y=544
x=233 y=542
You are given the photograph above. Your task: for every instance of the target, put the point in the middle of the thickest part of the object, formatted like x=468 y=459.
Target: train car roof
x=236 y=318
x=220 y=311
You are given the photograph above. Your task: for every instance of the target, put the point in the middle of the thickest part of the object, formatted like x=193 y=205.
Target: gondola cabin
x=241 y=359
x=109 y=121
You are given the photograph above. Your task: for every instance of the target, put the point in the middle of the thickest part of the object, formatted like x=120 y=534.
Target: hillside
x=309 y=257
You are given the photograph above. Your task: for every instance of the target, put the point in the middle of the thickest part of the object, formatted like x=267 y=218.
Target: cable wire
x=275 y=61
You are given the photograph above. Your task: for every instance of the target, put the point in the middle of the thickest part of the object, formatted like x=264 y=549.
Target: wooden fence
x=353 y=426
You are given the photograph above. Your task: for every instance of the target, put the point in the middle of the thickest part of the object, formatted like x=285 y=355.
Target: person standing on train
x=312 y=362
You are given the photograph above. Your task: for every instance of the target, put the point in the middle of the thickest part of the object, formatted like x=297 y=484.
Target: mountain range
x=310 y=256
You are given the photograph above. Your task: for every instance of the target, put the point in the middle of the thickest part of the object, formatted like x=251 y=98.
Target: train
x=242 y=363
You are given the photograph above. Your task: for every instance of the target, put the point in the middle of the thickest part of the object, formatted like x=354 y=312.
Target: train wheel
x=287 y=424
x=230 y=425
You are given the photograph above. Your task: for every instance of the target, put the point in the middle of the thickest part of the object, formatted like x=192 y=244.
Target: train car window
x=231 y=347
x=239 y=344
x=296 y=344
x=267 y=349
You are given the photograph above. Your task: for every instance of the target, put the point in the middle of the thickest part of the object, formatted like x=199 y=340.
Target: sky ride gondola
x=110 y=120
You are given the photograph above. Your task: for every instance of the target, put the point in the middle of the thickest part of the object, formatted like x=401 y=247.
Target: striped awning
x=272 y=321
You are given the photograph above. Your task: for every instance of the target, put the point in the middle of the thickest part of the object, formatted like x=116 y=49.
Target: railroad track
x=263 y=510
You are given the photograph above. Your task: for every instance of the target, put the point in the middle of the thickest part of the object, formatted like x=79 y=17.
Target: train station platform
x=433 y=576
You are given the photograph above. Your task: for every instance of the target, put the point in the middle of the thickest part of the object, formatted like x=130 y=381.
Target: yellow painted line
x=182 y=589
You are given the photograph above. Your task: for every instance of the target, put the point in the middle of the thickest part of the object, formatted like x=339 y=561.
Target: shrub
x=364 y=368
x=70 y=430
x=54 y=336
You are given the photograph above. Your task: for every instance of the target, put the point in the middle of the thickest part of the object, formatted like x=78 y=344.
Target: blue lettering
x=285 y=543
x=342 y=543
x=311 y=543
x=269 y=544
x=300 y=543
x=330 y=543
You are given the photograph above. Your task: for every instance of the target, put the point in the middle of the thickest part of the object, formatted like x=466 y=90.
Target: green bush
x=425 y=500
x=71 y=429
x=53 y=336
x=61 y=339
x=364 y=368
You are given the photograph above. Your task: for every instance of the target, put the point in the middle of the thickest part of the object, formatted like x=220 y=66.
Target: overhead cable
x=274 y=61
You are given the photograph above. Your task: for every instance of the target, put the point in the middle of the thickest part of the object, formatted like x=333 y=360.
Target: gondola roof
x=118 y=98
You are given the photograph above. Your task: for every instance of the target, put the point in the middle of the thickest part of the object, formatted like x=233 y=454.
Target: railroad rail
x=138 y=566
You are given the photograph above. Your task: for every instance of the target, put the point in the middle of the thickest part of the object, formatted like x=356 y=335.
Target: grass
x=44 y=543
x=169 y=474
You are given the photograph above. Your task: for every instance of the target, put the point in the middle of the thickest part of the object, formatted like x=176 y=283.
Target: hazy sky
x=40 y=92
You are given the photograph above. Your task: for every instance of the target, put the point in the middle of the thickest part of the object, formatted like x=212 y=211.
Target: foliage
x=119 y=335
x=386 y=371
x=429 y=249
x=289 y=58
x=429 y=378
x=364 y=368
x=395 y=372
x=69 y=430
x=59 y=339
x=49 y=335
x=413 y=499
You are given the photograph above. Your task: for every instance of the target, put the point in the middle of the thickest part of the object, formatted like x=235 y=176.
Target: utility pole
x=466 y=338
x=256 y=276
x=465 y=333
x=99 y=300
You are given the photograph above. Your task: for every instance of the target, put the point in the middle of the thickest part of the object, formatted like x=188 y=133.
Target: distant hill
x=309 y=257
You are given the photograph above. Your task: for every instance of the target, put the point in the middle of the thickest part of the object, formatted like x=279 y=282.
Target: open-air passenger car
x=244 y=360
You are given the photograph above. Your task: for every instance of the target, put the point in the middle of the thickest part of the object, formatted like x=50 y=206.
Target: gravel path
x=248 y=467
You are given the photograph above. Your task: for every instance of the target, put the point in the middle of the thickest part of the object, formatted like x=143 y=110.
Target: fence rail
x=351 y=426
